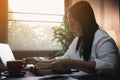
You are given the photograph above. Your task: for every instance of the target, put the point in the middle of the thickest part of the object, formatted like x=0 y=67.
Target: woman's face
x=75 y=27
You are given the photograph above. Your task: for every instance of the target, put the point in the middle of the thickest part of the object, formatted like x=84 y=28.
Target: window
x=30 y=24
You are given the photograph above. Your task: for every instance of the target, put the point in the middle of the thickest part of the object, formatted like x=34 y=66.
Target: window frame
x=3 y=21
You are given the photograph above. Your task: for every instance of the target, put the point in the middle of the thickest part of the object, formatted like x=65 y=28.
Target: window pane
x=30 y=24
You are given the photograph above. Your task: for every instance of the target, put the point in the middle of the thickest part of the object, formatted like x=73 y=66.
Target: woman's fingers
x=29 y=60
x=61 y=65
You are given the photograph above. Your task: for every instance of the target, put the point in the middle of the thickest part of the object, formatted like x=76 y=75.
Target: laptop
x=6 y=53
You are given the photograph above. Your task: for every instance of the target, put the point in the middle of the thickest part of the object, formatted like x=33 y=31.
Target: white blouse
x=104 y=52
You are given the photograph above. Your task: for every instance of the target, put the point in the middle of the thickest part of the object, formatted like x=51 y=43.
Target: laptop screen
x=6 y=53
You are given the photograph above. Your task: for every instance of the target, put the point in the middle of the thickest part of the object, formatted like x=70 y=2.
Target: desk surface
x=76 y=76
x=90 y=77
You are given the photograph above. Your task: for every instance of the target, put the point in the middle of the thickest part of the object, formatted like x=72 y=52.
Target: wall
x=111 y=19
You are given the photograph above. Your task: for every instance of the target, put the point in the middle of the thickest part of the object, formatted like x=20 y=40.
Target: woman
x=92 y=50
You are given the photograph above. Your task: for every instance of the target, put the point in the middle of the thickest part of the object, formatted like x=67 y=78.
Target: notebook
x=6 y=53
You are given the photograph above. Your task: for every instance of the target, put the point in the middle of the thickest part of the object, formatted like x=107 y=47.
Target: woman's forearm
x=86 y=66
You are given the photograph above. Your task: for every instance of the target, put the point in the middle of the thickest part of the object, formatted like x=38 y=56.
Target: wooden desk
x=30 y=76
x=63 y=78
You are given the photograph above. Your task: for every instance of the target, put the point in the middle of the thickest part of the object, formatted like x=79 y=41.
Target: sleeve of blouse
x=107 y=56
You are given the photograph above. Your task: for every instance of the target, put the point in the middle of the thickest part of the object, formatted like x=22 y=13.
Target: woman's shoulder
x=101 y=34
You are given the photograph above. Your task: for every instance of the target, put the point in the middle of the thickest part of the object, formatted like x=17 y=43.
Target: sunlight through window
x=30 y=24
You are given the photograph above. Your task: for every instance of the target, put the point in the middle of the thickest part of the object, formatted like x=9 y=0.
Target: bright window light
x=30 y=24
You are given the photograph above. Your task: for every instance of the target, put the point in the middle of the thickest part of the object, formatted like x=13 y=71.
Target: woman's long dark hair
x=83 y=13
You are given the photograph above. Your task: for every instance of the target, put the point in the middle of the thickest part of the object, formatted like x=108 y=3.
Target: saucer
x=7 y=74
